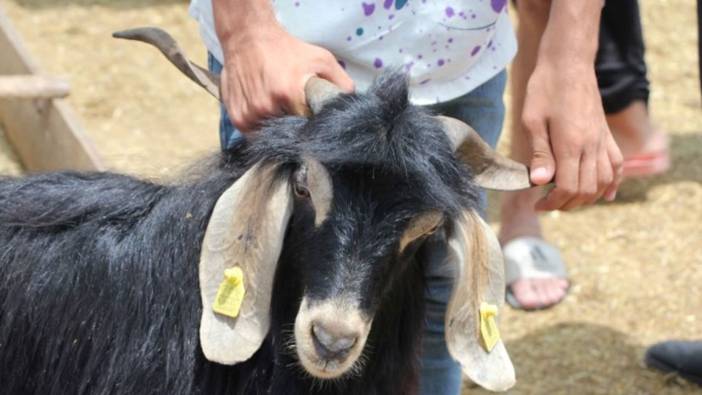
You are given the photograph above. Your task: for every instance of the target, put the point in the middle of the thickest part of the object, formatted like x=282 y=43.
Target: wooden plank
x=32 y=87
x=45 y=133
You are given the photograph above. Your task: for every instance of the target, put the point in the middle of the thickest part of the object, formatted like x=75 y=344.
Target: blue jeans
x=484 y=110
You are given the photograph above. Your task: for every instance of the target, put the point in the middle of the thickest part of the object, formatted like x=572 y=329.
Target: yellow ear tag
x=230 y=294
x=488 y=326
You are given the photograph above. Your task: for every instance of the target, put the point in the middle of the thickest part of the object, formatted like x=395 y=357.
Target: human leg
x=484 y=110
x=624 y=87
x=519 y=220
x=228 y=134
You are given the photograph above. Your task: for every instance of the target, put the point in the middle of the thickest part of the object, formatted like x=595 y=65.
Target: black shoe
x=681 y=357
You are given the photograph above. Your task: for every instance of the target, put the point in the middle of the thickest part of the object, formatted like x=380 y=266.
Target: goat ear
x=246 y=229
x=491 y=170
x=479 y=280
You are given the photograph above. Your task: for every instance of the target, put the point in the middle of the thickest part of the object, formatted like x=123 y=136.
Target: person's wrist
x=246 y=37
x=248 y=22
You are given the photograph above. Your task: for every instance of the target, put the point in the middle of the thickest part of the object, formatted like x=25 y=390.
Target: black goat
x=327 y=217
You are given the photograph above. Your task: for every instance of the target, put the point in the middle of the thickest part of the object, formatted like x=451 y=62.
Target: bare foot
x=519 y=219
x=644 y=146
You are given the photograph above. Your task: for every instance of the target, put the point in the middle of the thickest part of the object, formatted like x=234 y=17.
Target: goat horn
x=491 y=170
x=170 y=48
x=317 y=90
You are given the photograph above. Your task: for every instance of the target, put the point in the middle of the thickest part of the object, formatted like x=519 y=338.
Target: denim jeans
x=484 y=110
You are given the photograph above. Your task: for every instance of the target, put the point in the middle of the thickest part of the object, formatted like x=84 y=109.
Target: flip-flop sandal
x=650 y=163
x=530 y=258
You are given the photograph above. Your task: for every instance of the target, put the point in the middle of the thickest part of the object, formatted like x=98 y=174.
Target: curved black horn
x=170 y=48
x=318 y=91
x=491 y=170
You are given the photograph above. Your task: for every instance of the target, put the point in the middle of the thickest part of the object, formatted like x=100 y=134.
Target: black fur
x=98 y=272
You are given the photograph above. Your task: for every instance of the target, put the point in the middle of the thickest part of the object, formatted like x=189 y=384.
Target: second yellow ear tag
x=488 y=326
x=230 y=294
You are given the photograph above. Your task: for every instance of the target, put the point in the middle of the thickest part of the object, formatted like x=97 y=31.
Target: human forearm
x=265 y=67
x=240 y=19
x=571 y=35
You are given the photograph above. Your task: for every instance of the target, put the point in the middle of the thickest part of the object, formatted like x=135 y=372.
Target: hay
x=636 y=264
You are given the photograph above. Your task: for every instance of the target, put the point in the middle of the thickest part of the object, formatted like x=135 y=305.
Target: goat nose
x=332 y=343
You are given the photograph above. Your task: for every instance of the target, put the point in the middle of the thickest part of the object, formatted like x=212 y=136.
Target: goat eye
x=301 y=191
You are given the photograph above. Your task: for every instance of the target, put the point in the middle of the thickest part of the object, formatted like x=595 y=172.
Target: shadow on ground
x=583 y=358
x=686 y=157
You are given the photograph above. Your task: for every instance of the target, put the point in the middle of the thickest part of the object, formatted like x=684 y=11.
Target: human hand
x=265 y=71
x=565 y=121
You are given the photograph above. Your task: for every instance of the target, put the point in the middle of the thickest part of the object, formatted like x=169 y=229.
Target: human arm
x=563 y=114
x=266 y=68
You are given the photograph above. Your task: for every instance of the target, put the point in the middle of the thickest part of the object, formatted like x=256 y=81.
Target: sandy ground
x=635 y=265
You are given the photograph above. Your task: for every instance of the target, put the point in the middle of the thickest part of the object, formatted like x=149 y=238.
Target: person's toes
x=548 y=290
x=524 y=293
x=544 y=288
x=558 y=289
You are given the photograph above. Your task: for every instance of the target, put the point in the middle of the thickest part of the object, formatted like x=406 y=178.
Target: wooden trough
x=40 y=126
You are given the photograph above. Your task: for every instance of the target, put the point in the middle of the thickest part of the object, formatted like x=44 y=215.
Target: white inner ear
x=477 y=256
x=246 y=229
x=420 y=226
x=321 y=189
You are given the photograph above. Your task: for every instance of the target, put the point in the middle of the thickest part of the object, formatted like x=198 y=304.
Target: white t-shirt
x=448 y=48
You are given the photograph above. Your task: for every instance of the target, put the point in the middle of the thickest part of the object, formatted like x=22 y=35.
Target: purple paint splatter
x=391 y=16
x=450 y=40
x=368 y=9
x=449 y=12
x=498 y=5
x=387 y=4
x=440 y=62
x=378 y=63
x=475 y=51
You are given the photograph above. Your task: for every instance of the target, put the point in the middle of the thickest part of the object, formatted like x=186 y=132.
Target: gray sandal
x=530 y=258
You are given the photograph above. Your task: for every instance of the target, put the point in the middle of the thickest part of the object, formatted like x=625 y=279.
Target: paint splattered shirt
x=447 y=47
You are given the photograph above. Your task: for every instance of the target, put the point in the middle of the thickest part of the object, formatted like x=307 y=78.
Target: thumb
x=543 y=164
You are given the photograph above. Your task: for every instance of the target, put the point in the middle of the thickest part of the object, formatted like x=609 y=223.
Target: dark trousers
x=620 y=65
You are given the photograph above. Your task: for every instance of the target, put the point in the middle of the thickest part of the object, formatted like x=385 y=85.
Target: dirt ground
x=635 y=264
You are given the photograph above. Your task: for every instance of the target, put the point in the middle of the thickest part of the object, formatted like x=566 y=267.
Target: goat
x=327 y=217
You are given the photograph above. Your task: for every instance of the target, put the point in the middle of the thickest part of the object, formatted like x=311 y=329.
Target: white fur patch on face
x=330 y=336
